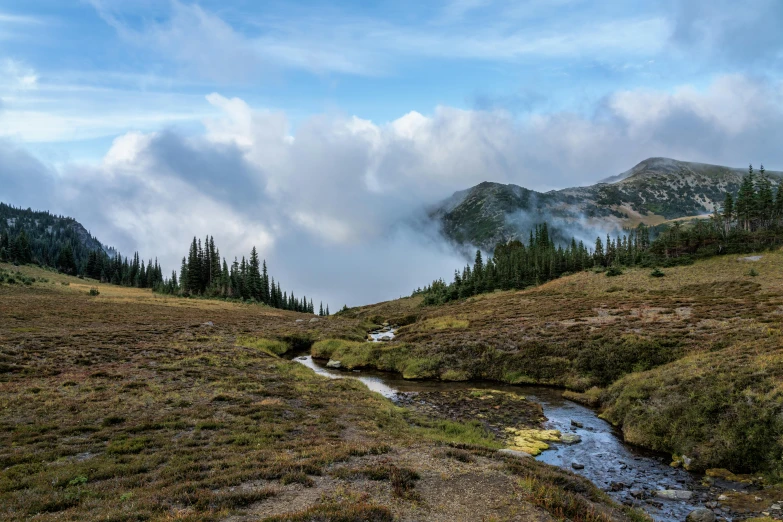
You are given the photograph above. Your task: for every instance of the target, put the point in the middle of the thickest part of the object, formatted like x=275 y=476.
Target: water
x=608 y=462
x=377 y=335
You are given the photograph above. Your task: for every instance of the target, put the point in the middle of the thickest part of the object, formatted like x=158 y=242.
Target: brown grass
x=128 y=406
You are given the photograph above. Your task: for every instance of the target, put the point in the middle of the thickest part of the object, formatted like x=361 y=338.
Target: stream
x=628 y=474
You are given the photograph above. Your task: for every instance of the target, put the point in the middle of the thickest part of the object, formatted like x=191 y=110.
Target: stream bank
x=630 y=475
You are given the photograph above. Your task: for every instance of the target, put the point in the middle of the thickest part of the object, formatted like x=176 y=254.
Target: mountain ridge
x=655 y=190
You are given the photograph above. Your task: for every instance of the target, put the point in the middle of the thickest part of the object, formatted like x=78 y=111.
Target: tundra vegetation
x=688 y=361
x=131 y=405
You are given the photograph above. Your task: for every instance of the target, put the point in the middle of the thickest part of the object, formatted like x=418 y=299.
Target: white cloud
x=331 y=206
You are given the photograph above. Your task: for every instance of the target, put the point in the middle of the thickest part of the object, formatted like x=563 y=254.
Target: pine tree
x=194 y=269
x=265 y=297
x=254 y=276
x=65 y=260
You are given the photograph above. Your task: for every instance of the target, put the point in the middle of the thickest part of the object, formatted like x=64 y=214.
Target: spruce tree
x=254 y=276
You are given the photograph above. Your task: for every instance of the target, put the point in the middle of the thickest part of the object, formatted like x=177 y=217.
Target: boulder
x=575 y=424
x=334 y=364
x=570 y=438
x=674 y=494
x=208 y=323
x=514 y=453
x=576 y=465
x=300 y=320
x=700 y=515
x=314 y=320
x=385 y=338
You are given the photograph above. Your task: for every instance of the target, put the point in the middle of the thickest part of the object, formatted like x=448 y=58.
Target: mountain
x=47 y=233
x=652 y=192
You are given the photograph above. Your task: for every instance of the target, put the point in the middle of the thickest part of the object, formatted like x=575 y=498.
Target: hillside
x=689 y=363
x=46 y=233
x=134 y=406
x=652 y=192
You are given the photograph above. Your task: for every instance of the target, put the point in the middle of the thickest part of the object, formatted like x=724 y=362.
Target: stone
x=334 y=364
x=723 y=497
x=208 y=323
x=385 y=338
x=570 y=438
x=638 y=493
x=575 y=424
x=514 y=453
x=576 y=465
x=700 y=515
x=617 y=486
x=314 y=320
x=300 y=320
x=674 y=494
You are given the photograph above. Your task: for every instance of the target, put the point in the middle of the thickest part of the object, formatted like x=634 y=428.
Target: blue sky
x=110 y=66
x=316 y=126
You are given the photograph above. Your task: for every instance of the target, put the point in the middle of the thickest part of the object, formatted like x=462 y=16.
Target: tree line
x=33 y=237
x=203 y=273
x=751 y=221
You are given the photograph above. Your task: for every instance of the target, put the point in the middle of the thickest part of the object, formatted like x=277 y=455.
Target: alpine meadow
x=461 y=260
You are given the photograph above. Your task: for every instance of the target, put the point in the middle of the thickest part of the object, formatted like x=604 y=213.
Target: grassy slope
x=690 y=363
x=127 y=406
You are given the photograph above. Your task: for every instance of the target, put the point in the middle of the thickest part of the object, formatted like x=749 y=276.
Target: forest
x=61 y=243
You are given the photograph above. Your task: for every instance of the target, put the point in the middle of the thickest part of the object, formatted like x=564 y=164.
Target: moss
x=455 y=375
x=532 y=441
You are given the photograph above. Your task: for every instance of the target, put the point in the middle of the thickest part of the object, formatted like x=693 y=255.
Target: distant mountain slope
x=655 y=190
x=46 y=233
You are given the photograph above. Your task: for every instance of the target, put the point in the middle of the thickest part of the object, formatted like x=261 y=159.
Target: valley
x=193 y=414
x=127 y=405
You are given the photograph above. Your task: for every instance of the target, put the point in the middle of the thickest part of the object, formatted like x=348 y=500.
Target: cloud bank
x=335 y=205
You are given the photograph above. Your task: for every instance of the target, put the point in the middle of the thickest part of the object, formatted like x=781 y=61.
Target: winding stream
x=628 y=474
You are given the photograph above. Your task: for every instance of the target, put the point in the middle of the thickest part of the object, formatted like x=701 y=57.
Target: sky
x=321 y=131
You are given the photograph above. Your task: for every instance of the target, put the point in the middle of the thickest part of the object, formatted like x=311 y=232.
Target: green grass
x=268 y=346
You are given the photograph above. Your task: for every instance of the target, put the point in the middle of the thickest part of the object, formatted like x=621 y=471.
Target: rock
x=314 y=320
x=385 y=324
x=674 y=494
x=208 y=323
x=700 y=515
x=617 y=486
x=334 y=364
x=570 y=438
x=300 y=320
x=575 y=424
x=576 y=465
x=638 y=493
x=302 y=358
x=385 y=338
x=723 y=497
x=775 y=507
x=514 y=453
